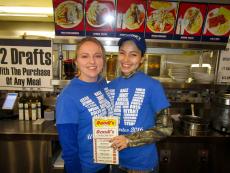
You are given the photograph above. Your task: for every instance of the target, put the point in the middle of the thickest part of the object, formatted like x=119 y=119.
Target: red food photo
x=100 y=17
x=130 y=16
x=96 y=14
x=190 y=19
x=69 y=17
x=161 y=16
x=217 y=21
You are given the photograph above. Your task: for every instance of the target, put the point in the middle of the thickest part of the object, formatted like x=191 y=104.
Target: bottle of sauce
x=33 y=106
x=26 y=107
x=21 y=113
x=38 y=104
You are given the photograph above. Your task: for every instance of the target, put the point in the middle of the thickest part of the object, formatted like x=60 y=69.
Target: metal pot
x=194 y=125
x=221 y=112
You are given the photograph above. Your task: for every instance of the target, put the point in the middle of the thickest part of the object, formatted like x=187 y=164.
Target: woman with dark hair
x=139 y=101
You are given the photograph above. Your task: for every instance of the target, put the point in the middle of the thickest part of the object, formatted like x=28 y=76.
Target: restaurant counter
x=15 y=129
x=10 y=129
x=33 y=148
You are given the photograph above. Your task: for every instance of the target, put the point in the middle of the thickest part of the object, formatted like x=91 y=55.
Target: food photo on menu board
x=100 y=18
x=130 y=17
x=217 y=24
x=190 y=20
x=161 y=19
x=69 y=17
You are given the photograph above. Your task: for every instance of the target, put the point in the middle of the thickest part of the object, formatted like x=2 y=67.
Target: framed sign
x=100 y=18
x=161 y=19
x=26 y=64
x=131 y=17
x=224 y=67
x=190 y=21
x=217 y=23
x=69 y=17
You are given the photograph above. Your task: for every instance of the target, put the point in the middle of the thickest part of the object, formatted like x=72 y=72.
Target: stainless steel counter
x=28 y=146
x=47 y=131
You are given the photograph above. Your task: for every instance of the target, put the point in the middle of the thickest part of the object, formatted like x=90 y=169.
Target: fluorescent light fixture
x=50 y=34
x=24 y=15
x=203 y=65
x=32 y=34
x=26 y=11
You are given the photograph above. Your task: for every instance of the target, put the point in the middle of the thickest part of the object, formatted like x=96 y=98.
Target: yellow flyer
x=105 y=128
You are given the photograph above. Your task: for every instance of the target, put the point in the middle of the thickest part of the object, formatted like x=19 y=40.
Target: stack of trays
x=179 y=73
x=203 y=78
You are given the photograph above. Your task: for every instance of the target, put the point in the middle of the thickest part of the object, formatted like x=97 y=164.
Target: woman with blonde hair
x=84 y=97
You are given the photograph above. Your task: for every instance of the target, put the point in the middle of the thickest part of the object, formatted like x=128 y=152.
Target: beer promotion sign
x=25 y=64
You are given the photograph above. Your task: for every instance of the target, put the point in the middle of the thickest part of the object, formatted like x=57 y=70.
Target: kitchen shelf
x=60 y=83
x=167 y=85
x=174 y=85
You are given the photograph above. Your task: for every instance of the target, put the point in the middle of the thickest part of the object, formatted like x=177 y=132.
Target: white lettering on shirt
x=130 y=110
x=105 y=108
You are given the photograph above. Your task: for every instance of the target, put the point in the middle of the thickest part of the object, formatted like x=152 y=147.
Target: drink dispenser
x=69 y=68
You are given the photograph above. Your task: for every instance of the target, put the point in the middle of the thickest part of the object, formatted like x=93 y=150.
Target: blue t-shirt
x=76 y=105
x=136 y=101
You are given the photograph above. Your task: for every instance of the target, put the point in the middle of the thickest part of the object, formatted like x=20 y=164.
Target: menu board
x=217 y=24
x=152 y=19
x=69 y=17
x=100 y=18
x=161 y=19
x=105 y=128
x=190 y=21
x=130 y=17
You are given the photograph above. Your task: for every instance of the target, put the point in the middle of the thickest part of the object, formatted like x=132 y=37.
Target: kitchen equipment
x=111 y=67
x=153 y=65
x=221 y=112
x=193 y=125
x=69 y=68
x=204 y=78
x=179 y=73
